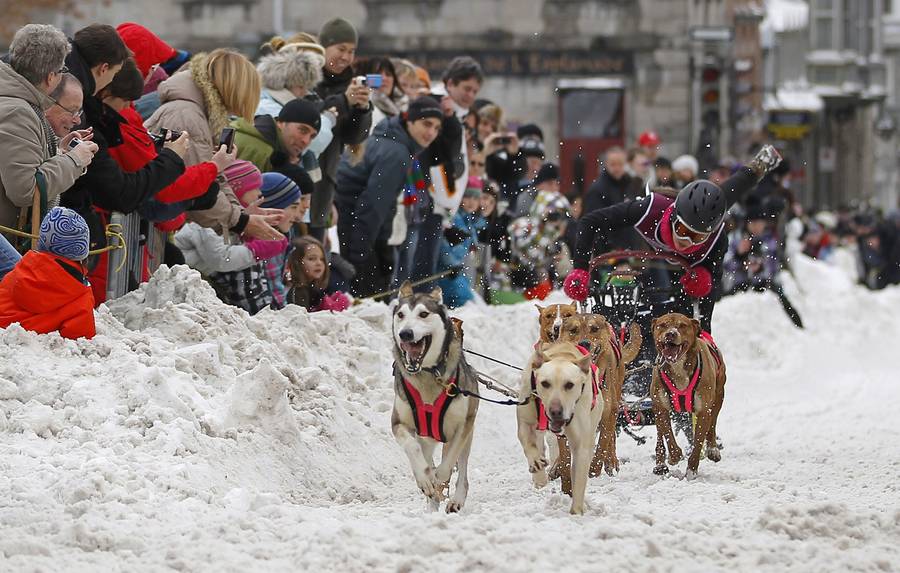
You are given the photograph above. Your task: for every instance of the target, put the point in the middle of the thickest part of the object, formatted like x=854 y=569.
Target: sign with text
x=790 y=125
x=528 y=62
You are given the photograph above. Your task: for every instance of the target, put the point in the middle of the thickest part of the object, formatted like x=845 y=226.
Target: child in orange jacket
x=48 y=290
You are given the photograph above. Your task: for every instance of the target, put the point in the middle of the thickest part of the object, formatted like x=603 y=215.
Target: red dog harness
x=543 y=422
x=429 y=418
x=683 y=400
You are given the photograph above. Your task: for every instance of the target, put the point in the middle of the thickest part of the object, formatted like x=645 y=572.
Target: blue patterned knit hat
x=278 y=191
x=64 y=233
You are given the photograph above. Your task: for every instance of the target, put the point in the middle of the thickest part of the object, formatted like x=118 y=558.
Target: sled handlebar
x=643 y=255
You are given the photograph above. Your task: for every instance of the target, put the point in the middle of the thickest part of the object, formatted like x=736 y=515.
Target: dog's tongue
x=413 y=350
x=670 y=351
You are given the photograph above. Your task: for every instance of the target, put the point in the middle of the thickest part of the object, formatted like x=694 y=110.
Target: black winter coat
x=606 y=191
x=353 y=125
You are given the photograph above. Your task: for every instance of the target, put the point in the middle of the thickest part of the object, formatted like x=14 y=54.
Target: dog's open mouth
x=557 y=425
x=670 y=351
x=414 y=352
x=553 y=333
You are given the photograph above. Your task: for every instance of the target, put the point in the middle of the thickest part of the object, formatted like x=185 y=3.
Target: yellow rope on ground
x=112 y=230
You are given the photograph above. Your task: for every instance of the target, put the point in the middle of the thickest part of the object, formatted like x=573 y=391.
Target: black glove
x=207 y=200
x=455 y=236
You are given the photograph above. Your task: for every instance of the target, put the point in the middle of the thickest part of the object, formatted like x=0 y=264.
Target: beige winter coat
x=23 y=148
x=189 y=102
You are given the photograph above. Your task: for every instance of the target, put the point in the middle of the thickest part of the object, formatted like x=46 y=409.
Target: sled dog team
x=571 y=387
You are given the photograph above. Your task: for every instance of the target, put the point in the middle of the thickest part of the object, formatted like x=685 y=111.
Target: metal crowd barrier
x=126 y=266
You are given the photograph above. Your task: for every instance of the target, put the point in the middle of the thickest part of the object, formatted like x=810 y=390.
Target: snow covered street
x=188 y=436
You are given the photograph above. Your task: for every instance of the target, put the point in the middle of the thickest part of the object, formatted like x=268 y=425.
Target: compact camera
x=371 y=80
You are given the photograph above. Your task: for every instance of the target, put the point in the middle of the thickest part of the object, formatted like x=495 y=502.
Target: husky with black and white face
x=429 y=373
x=421 y=330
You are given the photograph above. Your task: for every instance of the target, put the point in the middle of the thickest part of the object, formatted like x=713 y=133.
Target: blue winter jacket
x=458 y=289
x=367 y=190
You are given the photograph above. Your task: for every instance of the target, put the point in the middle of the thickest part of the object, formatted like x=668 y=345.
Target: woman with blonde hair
x=199 y=99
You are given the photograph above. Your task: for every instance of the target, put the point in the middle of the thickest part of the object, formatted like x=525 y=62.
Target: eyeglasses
x=685 y=233
x=74 y=114
x=63 y=70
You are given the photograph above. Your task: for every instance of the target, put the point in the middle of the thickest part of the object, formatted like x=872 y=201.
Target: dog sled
x=637 y=286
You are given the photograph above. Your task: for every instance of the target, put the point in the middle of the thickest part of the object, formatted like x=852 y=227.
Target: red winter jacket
x=137 y=150
x=45 y=293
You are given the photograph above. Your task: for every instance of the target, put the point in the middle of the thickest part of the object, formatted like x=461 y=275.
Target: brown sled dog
x=691 y=378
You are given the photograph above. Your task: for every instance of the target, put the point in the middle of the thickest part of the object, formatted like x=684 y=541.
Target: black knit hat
x=547 y=172
x=529 y=130
x=301 y=111
x=424 y=106
x=337 y=31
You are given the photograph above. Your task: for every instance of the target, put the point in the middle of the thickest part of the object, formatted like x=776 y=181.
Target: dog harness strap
x=616 y=344
x=716 y=354
x=542 y=422
x=683 y=400
x=429 y=418
x=595 y=383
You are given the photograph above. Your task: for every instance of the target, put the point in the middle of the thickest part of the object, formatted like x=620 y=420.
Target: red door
x=591 y=121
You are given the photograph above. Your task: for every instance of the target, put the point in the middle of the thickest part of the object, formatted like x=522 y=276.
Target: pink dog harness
x=543 y=422
x=429 y=418
x=683 y=400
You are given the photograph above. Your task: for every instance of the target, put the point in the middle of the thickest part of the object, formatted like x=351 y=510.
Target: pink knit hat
x=242 y=177
x=474 y=187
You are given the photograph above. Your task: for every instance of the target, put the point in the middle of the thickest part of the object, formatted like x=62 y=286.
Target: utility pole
x=278 y=16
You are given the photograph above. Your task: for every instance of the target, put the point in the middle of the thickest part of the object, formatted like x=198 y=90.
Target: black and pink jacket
x=648 y=218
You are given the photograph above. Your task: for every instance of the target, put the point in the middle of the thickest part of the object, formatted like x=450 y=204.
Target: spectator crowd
x=312 y=177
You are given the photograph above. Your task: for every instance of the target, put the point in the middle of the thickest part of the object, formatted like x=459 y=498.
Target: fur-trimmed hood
x=216 y=114
x=290 y=68
x=192 y=84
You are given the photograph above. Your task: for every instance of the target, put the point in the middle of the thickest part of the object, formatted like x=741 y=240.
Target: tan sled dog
x=690 y=378
x=429 y=373
x=551 y=319
x=567 y=402
x=593 y=332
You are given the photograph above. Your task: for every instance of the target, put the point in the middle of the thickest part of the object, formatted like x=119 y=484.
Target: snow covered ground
x=188 y=436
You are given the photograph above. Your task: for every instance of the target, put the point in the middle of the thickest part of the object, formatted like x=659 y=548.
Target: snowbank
x=190 y=436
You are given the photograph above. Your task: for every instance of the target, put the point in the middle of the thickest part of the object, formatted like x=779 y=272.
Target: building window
x=825 y=75
x=852 y=19
x=823 y=18
x=824 y=33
